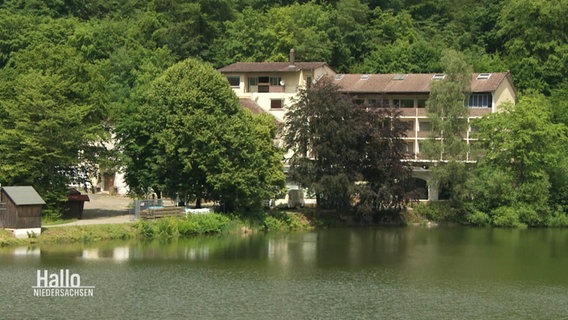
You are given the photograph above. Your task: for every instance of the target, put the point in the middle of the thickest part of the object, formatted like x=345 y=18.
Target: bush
x=272 y=223
x=479 y=218
x=507 y=217
x=558 y=220
x=190 y=225
x=202 y=224
x=284 y=221
x=145 y=229
x=436 y=211
x=529 y=216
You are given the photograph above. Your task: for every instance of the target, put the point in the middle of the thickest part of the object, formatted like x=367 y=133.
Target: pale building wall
x=504 y=93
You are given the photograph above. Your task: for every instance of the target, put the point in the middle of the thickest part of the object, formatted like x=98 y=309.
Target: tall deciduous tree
x=191 y=137
x=342 y=151
x=51 y=124
x=524 y=144
x=448 y=115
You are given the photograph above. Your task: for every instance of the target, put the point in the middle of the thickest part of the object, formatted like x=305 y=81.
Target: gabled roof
x=410 y=83
x=22 y=196
x=254 y=107
x=240 y=67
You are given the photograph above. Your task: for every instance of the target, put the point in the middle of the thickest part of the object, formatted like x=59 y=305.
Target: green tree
x=191 y=137
x=524 y=144
x=321 y=130
x=535 y=42
x=448 y=115
x=342 y=152
x=447 y=111
x=49 y=136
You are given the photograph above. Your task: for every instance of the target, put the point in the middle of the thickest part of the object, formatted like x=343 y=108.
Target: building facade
x=271 y=86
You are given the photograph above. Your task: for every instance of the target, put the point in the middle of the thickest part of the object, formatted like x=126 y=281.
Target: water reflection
x=431 y=253
x=379 y=272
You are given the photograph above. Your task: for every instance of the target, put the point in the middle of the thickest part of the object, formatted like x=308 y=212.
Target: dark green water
x=410 y=273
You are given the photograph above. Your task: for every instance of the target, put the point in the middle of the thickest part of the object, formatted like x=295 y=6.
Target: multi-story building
x=271 y=86
x=409 y=92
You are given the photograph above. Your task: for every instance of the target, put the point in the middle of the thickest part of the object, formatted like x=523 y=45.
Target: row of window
x=476 y=100
x=235 y=81
x=426 y=126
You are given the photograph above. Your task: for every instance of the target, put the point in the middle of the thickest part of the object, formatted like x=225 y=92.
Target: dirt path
x=104 y=209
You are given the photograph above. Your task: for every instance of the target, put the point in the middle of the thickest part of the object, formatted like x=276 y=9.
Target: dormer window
x=399 y=76
x=339 y=76
x=438 y=76
x=483 y=76
x=364 y=77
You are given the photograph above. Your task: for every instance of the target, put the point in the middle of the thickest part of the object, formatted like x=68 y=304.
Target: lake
x=351 y=273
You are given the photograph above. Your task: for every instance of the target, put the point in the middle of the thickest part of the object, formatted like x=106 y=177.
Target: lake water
x=361 y=273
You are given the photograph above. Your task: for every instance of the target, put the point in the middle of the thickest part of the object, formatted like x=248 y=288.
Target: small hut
x=20 y=208
x=75 y=204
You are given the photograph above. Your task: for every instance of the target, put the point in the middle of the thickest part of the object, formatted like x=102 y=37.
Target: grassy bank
x=172 y=227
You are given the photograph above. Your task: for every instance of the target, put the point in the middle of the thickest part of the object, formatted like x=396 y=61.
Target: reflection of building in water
x=27 y=252
x=293 y=250
x=278 y=251
x=201 y=253
x=118 y=254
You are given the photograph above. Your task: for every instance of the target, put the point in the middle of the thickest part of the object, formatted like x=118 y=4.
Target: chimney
x=292 y=57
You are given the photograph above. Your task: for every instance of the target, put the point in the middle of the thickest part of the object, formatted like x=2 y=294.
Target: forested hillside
x=68 y=66
x=127 y=38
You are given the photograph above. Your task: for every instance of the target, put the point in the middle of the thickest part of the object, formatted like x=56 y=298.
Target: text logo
x=60 y=284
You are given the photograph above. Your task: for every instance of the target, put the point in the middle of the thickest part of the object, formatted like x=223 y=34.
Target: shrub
x=558 y=219
x=436 y=211
x=203 y=224
x=145 y=229
x=507 y=217
x=272 y=223
x=529 y=216
x=479 y=218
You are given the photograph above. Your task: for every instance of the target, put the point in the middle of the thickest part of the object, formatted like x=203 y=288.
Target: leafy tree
x=447 y=111
x=335 y=144
x=448 y=115
x=260 y=36
x=535 y=42
x=321 y=130
x=49 y=130
x=524 y=144
x=386 y=175
x=191 y=137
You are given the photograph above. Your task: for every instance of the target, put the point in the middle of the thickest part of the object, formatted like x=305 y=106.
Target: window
x=478 y=100
x=438 y=76
x=364 y=77
x=275 y=81
x=404 y=103
x=359 y=101
x=483 y=76
x=409 y=147
x=276 y=104
x=421 y=103
x=234 y=81
x=399 y=76
x=373 y=102
x=425 y=126
x=253 y=81
x=339 y=76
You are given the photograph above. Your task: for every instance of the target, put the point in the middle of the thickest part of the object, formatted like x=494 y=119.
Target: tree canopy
x=189 y=136
x=345 y=153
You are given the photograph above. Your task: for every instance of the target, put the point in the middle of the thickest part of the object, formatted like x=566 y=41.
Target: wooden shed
x=75 y=204
x=20 y=207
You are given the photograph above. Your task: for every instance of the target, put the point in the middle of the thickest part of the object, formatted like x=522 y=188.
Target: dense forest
x=66 y=66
